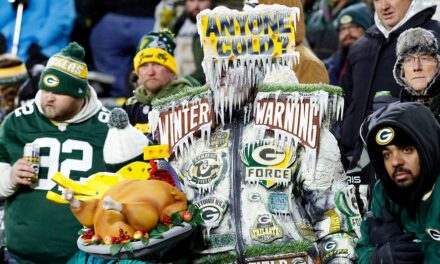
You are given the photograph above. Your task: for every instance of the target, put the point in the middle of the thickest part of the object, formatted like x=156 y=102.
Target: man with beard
x=156 y=69
x=368 y=80
x=351 y=25
x=404 y=225
x=189 y=53
x=68 y=124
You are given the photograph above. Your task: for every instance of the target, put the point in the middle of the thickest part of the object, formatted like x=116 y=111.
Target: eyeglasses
x=424 y=60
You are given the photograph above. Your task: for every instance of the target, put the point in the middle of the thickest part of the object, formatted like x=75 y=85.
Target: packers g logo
x=384 y=136
x=51 y=80
x=433 y=233
x=330 y=245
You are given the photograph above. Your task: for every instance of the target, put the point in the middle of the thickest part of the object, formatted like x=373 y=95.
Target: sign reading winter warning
x=265 y=31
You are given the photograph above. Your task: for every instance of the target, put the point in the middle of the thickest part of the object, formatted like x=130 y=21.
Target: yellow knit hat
x=156 y=47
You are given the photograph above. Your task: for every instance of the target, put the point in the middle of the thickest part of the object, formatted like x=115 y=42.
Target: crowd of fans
x=379 y=52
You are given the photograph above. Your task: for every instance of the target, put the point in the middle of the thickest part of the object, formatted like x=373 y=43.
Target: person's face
x=193 y=7
x=402 y=164
x=349 y=33
x=60 y=107
x=154 y=76
x=419 y=69
x=390 y=12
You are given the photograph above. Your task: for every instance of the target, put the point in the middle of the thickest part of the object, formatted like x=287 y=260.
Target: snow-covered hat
x=412 y=41
x=124 y=143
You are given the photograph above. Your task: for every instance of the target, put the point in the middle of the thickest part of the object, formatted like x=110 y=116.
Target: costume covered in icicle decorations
x=260 y=163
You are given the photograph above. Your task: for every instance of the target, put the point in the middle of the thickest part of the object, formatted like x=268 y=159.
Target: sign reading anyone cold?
x=265 y=30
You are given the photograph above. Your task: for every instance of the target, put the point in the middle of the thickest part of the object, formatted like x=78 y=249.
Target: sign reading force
x=262 y=31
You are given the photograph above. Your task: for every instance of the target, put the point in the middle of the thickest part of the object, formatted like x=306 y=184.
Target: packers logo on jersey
x=51 y=80
x=433 y=233
x=384 y=136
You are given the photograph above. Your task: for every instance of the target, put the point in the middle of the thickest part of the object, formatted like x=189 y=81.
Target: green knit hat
x=66 y=72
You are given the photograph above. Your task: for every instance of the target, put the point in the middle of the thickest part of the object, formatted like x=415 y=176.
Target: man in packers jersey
x=68 y=123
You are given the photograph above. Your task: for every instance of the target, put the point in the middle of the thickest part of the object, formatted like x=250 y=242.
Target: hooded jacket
x=418 y=208
x=310 y=68
x=418 y=41
x=369 y=70
x=255 y=195
x=73 y=148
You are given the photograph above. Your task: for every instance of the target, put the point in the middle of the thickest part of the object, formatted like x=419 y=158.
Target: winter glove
x=403 y=250
x=17 y=2
x=382 y=230
x=34 y=56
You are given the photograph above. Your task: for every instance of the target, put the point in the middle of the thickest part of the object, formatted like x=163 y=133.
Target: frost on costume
x=260 y=162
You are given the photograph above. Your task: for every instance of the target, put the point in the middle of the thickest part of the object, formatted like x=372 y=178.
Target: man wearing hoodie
x=416 y=70
x=368 y=79
x=68 y=124
x=404 y=225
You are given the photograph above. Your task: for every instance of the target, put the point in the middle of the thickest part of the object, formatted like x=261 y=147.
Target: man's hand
x=22 y=172
x=403 y=250
x=383 y=230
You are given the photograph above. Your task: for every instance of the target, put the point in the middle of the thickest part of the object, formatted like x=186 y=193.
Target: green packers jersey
x=37 y=229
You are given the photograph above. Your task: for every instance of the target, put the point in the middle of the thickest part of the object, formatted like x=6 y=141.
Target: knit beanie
x=124 y=143
x=156 y=47
x=412 y=41
x=358 y=14
x=66 y=72
x=12 y=70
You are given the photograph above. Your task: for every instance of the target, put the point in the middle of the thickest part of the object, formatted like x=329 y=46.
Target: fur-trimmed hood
x=412 y=41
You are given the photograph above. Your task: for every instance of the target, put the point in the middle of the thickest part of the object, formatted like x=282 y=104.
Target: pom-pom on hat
x=358 y=14
x=66 y=72
x=124 y=143
x=12 y=70
x=156 y=47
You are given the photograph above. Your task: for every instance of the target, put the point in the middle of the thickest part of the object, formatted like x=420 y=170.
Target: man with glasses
x=417 y=67
x=351 y=25
x=368 y=82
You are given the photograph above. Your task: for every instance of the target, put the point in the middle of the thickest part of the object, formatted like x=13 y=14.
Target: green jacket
x=426 y=225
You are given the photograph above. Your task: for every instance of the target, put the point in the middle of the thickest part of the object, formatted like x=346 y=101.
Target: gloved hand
x=402 y=250
x=16 y=2
x=34 y=56
x=382 y=230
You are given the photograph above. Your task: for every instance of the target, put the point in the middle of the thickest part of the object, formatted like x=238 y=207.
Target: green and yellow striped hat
x=12 y=70
x=66 y=72
x=156 y=47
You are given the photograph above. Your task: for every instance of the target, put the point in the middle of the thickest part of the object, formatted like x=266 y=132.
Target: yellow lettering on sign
x=269 y=32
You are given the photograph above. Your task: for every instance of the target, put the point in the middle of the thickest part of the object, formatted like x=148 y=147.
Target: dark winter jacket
x=369 y=71
x=415 y=214
x=334 y=65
